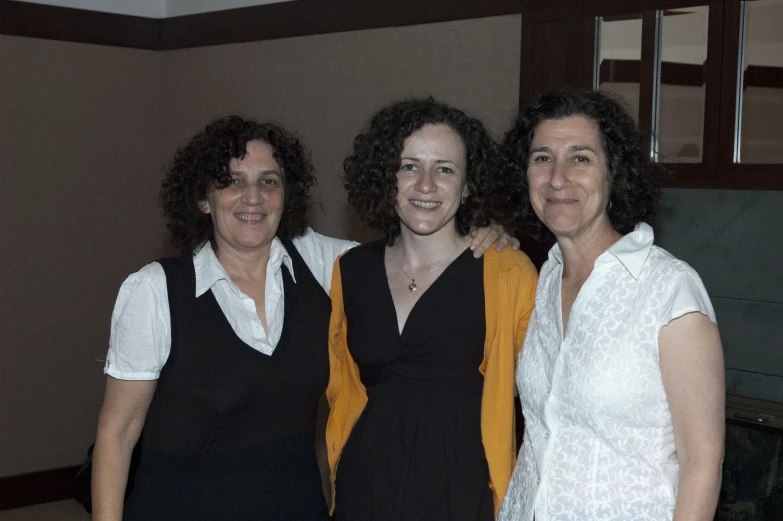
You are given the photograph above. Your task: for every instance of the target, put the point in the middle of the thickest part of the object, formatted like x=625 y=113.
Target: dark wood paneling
x=588 y=57
x=265 y=22
x=647 y=77
x=309 y=17
x=620 y=71
x=77 y=25
x=622 y=8
x=728 y=85
x=762 y=76
x=746 y=176
x=688 y=175
x=627 y=71
x=552 y=56
x=37 y=487
x=682 y=74
x=712 y=71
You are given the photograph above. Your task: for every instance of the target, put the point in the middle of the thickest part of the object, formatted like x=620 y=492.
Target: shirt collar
x=631 y=250
x=209 y=270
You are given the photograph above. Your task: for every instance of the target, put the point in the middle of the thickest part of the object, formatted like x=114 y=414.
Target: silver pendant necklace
x=412 y=286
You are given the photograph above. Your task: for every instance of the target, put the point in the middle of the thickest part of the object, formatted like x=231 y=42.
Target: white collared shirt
x=141 y=322
x=599 y=442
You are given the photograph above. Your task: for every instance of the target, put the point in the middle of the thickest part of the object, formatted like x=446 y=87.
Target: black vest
x=230 y=431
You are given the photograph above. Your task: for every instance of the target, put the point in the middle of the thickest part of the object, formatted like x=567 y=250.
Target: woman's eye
x=408 y=168
x=270 y=182
x=582 y=159
x=540 y=159
x=445 y=170
x=235 y=181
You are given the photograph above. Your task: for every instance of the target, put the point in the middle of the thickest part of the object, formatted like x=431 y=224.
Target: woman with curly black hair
x=423 y=335
x=218 y=358
x=621 y=375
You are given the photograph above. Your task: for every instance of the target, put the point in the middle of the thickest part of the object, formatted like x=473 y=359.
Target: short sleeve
x=320 y=253
x=688 y=295
x=140 y=339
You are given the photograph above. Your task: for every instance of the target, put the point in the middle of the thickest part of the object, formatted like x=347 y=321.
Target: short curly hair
x=203 y=164
x=371 y=171
x=634 y=179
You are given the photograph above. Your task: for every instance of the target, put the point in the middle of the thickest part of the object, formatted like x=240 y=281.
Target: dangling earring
x=463 y=199
x=609 y=206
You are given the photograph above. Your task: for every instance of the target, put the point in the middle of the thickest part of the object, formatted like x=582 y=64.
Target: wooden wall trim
x=37 y=487
x=310 y=17
x=264 y=22
x=78 y=25
x=627 y=71
x=763 y=76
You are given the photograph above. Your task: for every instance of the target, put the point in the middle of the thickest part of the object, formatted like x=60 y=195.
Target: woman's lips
x=426 y=206
x=250 y=218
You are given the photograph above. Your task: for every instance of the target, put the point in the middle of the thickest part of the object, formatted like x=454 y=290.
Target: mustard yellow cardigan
x=509 y=295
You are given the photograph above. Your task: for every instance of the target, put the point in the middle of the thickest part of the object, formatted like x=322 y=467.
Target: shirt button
x=538 y=481
x=546 y=436
x=548 y=390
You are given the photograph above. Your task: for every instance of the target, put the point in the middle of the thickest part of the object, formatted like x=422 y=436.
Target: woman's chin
x=424 y=229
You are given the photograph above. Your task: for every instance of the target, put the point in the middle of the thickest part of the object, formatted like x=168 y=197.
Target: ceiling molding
x=78 y=25
x=247 y=24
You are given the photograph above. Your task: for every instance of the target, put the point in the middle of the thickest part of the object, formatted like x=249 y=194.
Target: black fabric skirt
x=278 y=481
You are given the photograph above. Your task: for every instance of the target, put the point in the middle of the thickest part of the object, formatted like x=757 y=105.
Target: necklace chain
x=412 y=286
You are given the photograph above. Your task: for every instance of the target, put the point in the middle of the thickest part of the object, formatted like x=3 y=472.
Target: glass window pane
x=682 y=93
x=761 y=83
x=620 y=53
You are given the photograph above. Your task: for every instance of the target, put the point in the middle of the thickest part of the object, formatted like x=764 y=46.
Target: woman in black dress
x=423 y=335
x=218 y=358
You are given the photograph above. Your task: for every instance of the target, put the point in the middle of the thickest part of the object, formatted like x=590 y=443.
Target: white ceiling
x=154 y=8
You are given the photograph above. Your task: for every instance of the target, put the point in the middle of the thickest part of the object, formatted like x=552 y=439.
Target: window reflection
x=683 y=52
x=619 y=56
x=760 y=85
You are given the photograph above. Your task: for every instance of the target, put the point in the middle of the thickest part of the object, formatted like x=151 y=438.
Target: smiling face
x=431 y=181
x=568 y=177
x=246 y=214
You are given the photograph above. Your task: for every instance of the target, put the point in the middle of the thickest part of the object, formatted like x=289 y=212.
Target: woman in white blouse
x=218 y=358
x=621 y=374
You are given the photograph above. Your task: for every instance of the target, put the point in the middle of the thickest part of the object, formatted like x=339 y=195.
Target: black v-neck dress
x=415 y=454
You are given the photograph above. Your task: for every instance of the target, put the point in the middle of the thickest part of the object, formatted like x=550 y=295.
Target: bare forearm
x=111 y=463
x=698 y=494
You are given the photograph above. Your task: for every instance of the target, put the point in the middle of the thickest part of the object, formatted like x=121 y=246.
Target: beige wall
x=84 y=132
x=327 y=86
x=79 y=158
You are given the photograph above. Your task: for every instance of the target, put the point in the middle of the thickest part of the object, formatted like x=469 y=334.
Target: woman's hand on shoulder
x=483 y=238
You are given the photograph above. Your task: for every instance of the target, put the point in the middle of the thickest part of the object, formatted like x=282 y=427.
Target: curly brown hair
x=371 y=171
x=203 y=165
x=634 y=179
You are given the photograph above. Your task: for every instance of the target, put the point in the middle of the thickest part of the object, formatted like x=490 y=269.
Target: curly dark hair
x=634 y=179
x=371 y=171
x=203 y=165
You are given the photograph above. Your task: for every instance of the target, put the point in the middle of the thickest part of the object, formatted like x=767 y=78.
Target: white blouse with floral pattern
x=599 y=442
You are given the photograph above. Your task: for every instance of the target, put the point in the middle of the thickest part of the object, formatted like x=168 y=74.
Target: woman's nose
x=425 y=182
x=559 y=176
x=252 y=195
